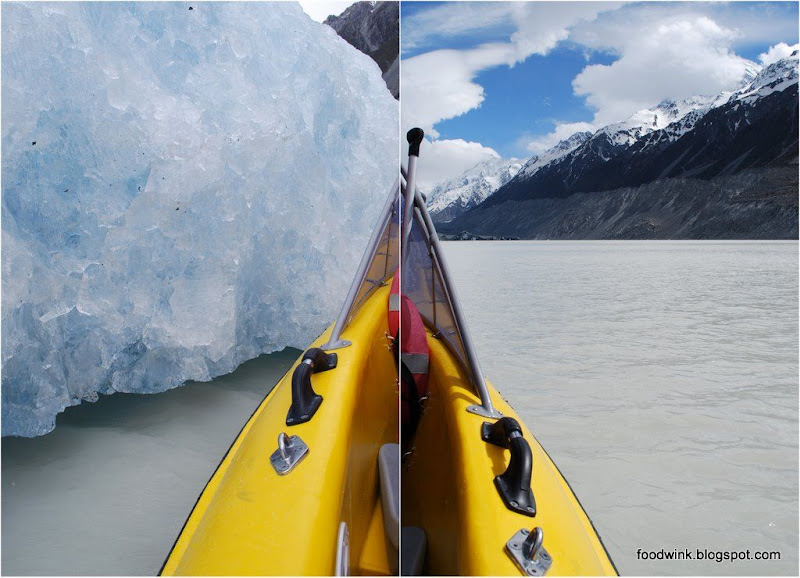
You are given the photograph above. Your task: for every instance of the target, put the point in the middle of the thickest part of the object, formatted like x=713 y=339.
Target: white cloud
x=533 y=27
x=661 y=49
x=757 y=22
x=440 y=85
x=541 y=26
x=454 y=20
x=775 y=53
x=319 y=10
x=446 y=159
x=539 y=144
x=669 y=57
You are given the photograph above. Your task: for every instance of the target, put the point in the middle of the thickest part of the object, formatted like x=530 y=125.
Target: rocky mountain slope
x=374 y=29
x=454 y=197
x=695 y=141
x=752 y=204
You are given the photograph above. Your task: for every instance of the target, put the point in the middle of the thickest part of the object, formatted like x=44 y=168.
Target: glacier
x=185 y=186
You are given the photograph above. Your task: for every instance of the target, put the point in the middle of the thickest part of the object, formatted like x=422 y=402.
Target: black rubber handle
x=500 y=432
x=305 y=401
x=414 y=137
x=514 y=484
x=320 y=360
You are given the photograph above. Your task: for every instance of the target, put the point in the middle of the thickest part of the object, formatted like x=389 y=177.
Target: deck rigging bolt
x=282 y=446
x=533 y=544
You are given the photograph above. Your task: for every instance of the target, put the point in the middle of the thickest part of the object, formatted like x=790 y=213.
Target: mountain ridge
x=453 y=197
x=754 y=126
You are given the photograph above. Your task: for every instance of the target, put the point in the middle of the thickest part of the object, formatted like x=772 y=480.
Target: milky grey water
x=107 y=492
x=662 y=378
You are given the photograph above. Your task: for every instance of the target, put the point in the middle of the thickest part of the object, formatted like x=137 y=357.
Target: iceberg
x=185 y=186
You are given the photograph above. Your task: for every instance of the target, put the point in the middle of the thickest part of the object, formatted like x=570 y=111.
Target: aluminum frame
x=414 y=209
x=486 y=408
x=335 y=341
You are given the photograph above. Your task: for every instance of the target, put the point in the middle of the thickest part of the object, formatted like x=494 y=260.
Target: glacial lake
x=661 y=377
x=107 y=492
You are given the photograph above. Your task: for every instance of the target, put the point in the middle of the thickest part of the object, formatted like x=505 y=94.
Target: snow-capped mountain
x=564 y=147
x=450 y=199
x=702 y=137
x=453 y=197
x=774 y=78
x=670 y=111
x=646 y=121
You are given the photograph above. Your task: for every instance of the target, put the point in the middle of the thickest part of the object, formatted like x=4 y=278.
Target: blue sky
x=518 y=103
x=512 y=78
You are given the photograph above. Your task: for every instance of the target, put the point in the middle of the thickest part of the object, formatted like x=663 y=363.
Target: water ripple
x=661 y=377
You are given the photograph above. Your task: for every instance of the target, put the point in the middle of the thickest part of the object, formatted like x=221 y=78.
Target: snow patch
x=562 y=149
x=472 y=187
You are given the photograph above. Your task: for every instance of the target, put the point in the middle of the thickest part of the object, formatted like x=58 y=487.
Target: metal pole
x=414 y=137
x=414 y=198
x=487 y=408
x=386 y=213
x=408 y=204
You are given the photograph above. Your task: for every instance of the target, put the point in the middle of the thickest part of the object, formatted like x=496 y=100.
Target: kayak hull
x=249 y=520
x=449 y=491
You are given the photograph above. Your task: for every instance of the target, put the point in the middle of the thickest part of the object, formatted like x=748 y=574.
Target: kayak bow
x=310 y=486
x=480 y=496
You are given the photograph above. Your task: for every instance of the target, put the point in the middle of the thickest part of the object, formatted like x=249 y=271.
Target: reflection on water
x=662 y=377
x=107 y=491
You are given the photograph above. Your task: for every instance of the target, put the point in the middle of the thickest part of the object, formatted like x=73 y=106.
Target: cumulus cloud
x=775 y=53
x=661 y=50
x=440 y=84
x=670 y=57
x=446 y=159
x=455 y=20
x=757 y=22
x=541 y=26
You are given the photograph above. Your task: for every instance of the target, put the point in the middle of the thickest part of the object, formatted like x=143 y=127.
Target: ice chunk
x=185 y=186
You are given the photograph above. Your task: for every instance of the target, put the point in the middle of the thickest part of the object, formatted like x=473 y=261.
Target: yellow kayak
x=310 y=486
x=480 y=496
x=449 y=491
x=313 y=483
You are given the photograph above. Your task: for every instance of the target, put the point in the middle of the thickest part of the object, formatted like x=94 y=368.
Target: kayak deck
x=251 y=521
x=449 y=490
